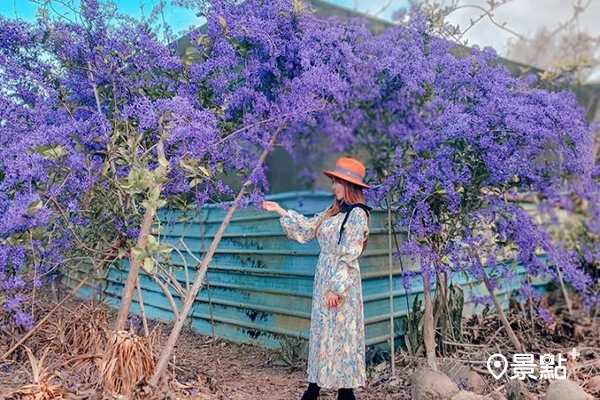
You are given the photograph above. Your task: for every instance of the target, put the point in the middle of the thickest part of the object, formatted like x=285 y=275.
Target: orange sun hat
x=350 y=170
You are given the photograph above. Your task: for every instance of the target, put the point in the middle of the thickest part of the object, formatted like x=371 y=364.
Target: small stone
x=593 y=383
x=497 y=396
x=516 y=390
x=475 y=382
x=563 y=389
x=464 y=395
x=426 y=384
x=469 y=379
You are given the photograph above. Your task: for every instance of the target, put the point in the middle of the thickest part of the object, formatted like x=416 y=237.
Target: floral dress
x=336 y=356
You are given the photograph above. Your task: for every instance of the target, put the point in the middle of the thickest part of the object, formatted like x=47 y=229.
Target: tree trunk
x=441 y=316
x=134 y=269
x=134 y=263
x=428 y=326
x=190 y=298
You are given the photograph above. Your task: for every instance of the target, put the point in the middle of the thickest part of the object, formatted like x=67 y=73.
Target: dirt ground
x=75 y=339
x=246 y=372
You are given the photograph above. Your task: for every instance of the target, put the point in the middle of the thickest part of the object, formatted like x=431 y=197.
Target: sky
x=179 y=19
x=522 y=16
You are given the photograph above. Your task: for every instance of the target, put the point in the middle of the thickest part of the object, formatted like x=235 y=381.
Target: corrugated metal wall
x=261 y=283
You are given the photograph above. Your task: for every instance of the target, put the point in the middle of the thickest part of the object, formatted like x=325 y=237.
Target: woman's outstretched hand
x=272 y=206
x=332 y=300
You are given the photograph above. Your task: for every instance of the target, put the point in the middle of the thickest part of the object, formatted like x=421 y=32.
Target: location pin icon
x=497 y=365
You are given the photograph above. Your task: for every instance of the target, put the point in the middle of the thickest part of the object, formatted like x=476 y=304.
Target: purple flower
x=406 y=280
x=545 y=314
x=24 y=319
x=15 y=302
x=89 y=109
x=37 y=282
x=15 y=283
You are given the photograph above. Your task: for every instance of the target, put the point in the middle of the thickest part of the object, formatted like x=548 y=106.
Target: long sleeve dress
x=337 y=339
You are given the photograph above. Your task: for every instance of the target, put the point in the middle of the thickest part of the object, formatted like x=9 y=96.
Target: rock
x=429 y=385
x=464 y=395
x=497 y=396
x=562 y=389
x=593 y=383
x=468 y=378
x=516 y=390
x=475 y=382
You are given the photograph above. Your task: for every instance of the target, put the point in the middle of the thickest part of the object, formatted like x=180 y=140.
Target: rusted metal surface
x=261 y=282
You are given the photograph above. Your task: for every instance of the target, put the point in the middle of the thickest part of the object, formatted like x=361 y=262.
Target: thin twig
x=142 y=309
x=170 y=279
x=185 y=267
x=94 y=88
x=232 y=134
x=391 y=279
x=165 y=290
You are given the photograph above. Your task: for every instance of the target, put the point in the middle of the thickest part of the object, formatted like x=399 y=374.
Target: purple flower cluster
x=93 y=107
x=452 y=137
x=92 y=111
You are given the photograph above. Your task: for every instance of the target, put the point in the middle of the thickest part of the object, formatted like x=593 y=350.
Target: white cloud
x=525 y=17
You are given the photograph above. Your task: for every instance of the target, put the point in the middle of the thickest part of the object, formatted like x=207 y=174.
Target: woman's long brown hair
x=353 y=194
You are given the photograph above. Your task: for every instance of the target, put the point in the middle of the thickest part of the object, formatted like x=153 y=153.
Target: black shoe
x=346 y=394
x=312 y=393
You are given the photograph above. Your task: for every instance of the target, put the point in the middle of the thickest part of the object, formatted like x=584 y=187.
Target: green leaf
x=35 y=206
x=205 y=171
x=163 y=162
x=53 y=153
x=149 y=266
x=152 y=243
x=148 y=205
x=165 y=248
x=160 y=204
x=185 y=164
x=38 y=233
x=137 y=252
x=223 y=23
x=146 y=179
x=154 y=194
x=192 y=51
x=159 y=175
x=196 y=182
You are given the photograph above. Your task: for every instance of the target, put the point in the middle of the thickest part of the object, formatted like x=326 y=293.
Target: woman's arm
x=298 y=227
x=295 y=225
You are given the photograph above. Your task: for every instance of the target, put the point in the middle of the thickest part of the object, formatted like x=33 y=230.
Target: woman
x=336 y=357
